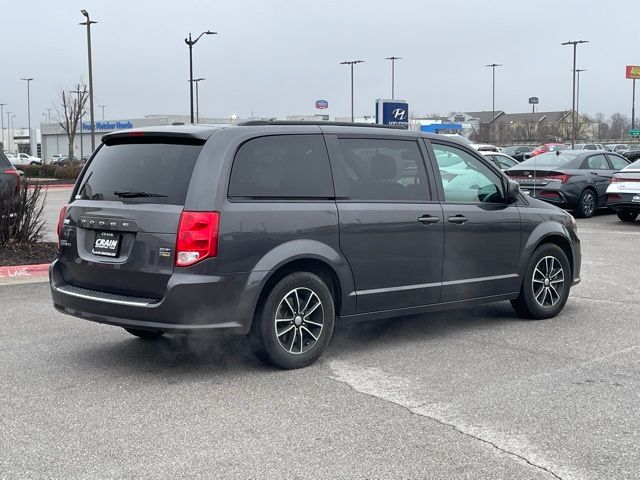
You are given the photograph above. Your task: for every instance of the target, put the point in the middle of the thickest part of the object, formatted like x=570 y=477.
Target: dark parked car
x=278 y=230
x=574 y=179
x=518 y=152
x=10 y=179
x=632 y=155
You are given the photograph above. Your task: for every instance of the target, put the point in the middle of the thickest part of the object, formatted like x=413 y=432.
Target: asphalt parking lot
x=461 y=394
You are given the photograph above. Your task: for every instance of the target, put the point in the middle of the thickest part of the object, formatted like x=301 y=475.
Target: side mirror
x=513 y=191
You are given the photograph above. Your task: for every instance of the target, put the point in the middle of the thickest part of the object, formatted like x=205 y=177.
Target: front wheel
x=627 y=215
x=586 y=204
x=546 y=284
x=295 y=322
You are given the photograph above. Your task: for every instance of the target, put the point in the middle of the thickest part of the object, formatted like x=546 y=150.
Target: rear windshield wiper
x=138 y=195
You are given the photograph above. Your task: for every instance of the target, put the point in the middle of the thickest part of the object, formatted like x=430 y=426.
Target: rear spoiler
x=180 y=137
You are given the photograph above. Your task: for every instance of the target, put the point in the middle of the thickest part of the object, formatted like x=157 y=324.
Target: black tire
x=280 y=318
x=528 y=304
x=627 y=215
x=145 y=334
x=587 y=204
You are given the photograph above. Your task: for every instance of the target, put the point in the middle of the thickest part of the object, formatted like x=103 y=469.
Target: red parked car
x=548 y=147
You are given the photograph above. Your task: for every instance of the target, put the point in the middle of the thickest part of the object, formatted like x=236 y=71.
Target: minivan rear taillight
x=13 y=171
x=197 y=237
x=63 y=212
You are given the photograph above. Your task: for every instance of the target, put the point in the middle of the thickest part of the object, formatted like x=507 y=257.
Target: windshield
x=547 y=160
x=140 y=173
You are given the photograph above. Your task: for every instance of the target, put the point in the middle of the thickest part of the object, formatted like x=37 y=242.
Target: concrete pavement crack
x=454 y=427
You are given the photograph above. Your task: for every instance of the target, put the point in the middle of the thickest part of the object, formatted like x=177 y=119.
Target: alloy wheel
x=548 y=282
x=588 y=204
x=299 y=320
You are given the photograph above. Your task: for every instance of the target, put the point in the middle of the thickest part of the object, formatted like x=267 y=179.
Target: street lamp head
x=393 y=58
x=493 y=65
x=209 y=32
x=351 y=62
x=26 y=79
x=85 y=13
x=574 y=42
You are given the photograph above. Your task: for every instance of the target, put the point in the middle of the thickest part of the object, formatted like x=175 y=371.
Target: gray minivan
x=280 y=229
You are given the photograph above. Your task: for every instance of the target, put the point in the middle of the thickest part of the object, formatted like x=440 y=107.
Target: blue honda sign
x=392 y=112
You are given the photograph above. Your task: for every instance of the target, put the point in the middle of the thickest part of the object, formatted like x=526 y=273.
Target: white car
x=623 y=193
x=22 y=159
x=481 y=147
x=500 y=160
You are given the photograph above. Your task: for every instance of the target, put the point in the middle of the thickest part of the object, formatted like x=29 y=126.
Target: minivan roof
x=202 y=132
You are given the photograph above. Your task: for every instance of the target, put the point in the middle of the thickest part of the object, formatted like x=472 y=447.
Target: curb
x=57 y=186
x=24 y=274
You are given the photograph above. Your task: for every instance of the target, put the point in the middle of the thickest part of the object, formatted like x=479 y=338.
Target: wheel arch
x=548 y=232
x=302 y=255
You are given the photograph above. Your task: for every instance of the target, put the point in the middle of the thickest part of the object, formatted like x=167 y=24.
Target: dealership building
x=55 y=141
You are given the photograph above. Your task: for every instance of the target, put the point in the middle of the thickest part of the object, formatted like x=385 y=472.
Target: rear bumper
x=554 y=196
x=191 y=303
x=623 y=201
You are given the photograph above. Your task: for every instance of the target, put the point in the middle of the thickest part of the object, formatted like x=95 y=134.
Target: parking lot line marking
x=611 y=232
x=378 y=384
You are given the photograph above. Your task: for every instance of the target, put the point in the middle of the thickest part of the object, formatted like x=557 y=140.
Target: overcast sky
x=276 y=57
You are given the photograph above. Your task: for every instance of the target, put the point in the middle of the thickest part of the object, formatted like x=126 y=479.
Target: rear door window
x=282 y=166
x=140 y=173
x=597 y=162
x=381 y=170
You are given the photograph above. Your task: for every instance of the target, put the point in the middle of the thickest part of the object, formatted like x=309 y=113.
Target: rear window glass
x=140 y=173
x=4 y=161
x=282 y=166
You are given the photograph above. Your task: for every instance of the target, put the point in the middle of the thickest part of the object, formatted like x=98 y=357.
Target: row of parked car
x=583 y=178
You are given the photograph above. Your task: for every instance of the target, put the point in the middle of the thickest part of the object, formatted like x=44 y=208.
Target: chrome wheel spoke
x=291 y=327
x=293 y=340
x=312 y=309
x=310 y=333
x=314 y=323
x=286 y=300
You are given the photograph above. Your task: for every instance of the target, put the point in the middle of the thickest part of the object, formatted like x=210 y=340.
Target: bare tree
x=72 y=109
x=619 y=125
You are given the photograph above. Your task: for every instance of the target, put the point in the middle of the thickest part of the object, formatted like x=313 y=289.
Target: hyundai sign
x=392 y=112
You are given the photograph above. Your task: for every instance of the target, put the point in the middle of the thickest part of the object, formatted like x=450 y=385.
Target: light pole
x=578 y=93
x=573 y=100
x=2 y=122
x=28 y=80
x=102 y=107
x=633 y=105
x=493 y=67
x=9 y=130
x=88 y=24
x=48 y=114
x=393 y=74
x=351 y=63
x=197 y=81
x=190 y=42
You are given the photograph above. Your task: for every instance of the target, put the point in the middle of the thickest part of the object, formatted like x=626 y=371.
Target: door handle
x=428 y=219
x=593 y=173
x=457 y=219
